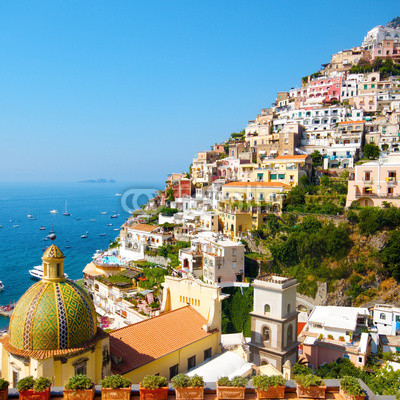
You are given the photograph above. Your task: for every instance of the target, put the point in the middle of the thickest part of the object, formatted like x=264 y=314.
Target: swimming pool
x=112 y=260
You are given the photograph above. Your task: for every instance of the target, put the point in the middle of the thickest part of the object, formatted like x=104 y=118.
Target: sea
x=91 y=205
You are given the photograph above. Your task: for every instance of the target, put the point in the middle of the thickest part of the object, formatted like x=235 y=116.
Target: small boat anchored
x=83 y=236
x=53 y=212
x=66 y=213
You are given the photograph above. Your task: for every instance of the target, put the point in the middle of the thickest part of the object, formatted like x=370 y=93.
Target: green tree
x=317 y=158
x=371 y=151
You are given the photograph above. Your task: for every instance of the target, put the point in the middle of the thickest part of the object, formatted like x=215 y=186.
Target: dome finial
x=53 y=264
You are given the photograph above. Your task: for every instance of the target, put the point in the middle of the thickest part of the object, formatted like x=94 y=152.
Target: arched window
x=382 y=316
x=265 y=333
x=267 y=309
x=289 y=308
x=290 y=334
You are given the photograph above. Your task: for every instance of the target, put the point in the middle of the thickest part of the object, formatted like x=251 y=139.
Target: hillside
x=357 y=254
x=394 y=23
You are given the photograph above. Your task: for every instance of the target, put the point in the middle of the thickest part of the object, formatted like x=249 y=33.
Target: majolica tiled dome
x=53 y=314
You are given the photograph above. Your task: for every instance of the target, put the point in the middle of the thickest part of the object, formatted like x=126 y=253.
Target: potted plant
x=269 y=387
x=115 y=387
x=153 y=387
x=188 y=387
x=350 y=389
x=310 y=386
x=231 y=389
x=79 y=387
x=4 y=389
x=31 y=389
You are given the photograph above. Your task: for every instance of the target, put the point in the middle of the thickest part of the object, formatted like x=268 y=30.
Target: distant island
x=101 y=180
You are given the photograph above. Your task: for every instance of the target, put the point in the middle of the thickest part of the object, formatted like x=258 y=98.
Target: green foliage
x=154 y=382
x=235 y=310
x=237 y=381
x=155 y=276
x=309 y=380
x=317 y=158
x=238 y=135
x=4 y=384
x=167 y=211
x=352 y=217
x=25 y=383
x=183 y=381
x=300 y=369
x=180 y=381
x=115 y=382
x=373 y=219
x=79 y=382
x=371 y=151
x=338 y=369
x=170 y=194
x=196 y=381
x=351 y=386
x=41 y=384
x=391 y=255
x=263 y=382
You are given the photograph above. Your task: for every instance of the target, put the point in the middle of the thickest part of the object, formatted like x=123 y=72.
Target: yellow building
x=284 y=169
x=53 y=331
x=184 y=335
x=245 y=205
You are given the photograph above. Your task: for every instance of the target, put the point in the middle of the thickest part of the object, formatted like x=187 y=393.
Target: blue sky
x=131 y=90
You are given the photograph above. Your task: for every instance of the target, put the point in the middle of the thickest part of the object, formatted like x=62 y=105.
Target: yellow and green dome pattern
x=53 y=316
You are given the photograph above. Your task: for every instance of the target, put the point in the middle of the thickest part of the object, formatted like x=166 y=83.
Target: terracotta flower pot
x=116 y=394
x=312 y=392
x=273 y=392
x=190 y=393
x=153 y=394
x=81 y=394
x=347 y=396
x=230 y=392
x=32 y=395
x=4 y=394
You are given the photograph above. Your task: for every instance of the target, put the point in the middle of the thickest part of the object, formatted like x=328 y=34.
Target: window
x=80 y=366
x=15 y=378
x=367 y=176
x=360 y=360
x=346 y=356
x=261 y=196
x=267 y=309
x=174 y=370
x=290 y=334
x=365 y=87
x=58 y=269
x=207 y=353
x=191 y=362
x=265 y=334
x=289 y=308
x=382 y=316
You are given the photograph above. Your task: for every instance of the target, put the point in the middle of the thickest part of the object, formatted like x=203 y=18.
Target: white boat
x=1 y=285
x=109 y=224
x=118 y=194
x=66 y=213
x=114 y=216
x=37 y=272
x=42 y=228
x=92 y=220
x=102 y=234
x=15 y=226
x=83 y=236
x=103 y=212
x=30 y=216
x=53 y=212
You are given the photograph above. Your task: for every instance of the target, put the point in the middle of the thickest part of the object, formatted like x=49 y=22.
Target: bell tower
x=274 y=321
x=53 y=264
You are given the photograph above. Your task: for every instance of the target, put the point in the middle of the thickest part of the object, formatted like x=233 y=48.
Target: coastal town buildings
x=375 y=182
x=186 y=333
x=336 y=332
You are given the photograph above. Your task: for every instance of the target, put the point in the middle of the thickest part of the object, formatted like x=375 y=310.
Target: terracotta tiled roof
x=144 y=227
x=43 y=354
x=148 y=340
x=296 y=156
x=257 y=184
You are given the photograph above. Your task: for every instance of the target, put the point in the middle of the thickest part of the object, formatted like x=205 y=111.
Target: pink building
x=375 y=182
x=325 y=89
x=386 y=49
x=335 y=332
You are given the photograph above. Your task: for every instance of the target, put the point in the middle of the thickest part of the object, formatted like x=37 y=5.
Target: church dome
x=54 y=314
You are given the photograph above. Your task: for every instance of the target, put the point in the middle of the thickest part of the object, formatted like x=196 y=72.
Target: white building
x=378 y=34
x=386 y=318
x=137 y=238
x=215 y=257
x=337 y=321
